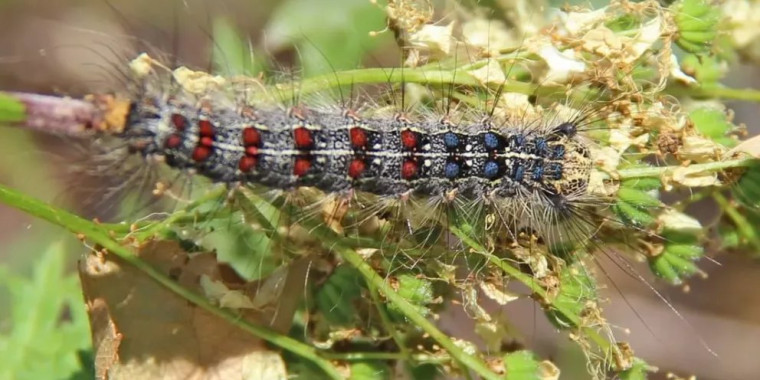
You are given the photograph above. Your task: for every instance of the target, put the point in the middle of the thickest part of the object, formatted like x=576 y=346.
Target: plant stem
x=362 y=356
x=100 y=236
x=716 y=92
x=657 y=171
x=530 y=282
x=461 y=76
x=415 y=75
x=739 y=220
x=175 y=216
x=408 y=310
x=337 y=244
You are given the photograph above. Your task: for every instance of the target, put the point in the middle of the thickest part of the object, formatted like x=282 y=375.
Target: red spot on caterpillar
x=251 y=136
x=409 y=139
x=358 y=137
x=356 y=168
x=301 y=166
x=206 y=128
x=173 y=141
x=179 y=122
x=302 y=138
x=201 y=153
x=247 y=163
x=408 y=169
x=206 y=141
x=251 y=150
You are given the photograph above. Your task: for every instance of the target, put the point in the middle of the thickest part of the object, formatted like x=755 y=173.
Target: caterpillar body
x=530 y=171
x=339 y=152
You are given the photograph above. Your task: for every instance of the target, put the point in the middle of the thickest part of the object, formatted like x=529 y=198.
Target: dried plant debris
x=142 y=330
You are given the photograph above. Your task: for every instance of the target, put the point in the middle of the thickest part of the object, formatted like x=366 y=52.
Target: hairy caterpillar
x=526 y=176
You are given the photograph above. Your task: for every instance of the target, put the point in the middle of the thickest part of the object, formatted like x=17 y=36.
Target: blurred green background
x=68 y=47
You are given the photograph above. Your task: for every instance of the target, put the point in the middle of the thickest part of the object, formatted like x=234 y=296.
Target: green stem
x=362 y=356
x=530 y=282
x=386 y=320
x=154 y=228
x=417 y=75
x=716 y=92
x=657 y=171
x=98 y=235
x=739 y=220
x=336 y=244
x=417 y=319
x=462 y=77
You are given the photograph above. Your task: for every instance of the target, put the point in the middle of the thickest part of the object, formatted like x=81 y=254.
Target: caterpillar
x=525 y=183
x=530 y=176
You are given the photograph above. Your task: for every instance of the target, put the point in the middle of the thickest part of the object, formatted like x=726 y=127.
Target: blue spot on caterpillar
x=451 y=170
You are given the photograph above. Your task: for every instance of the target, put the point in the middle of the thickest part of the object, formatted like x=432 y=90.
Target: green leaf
x=706 y=69
x=576 y=286
x=253 y=252
x=328 y=34
x=747 y=189
x=49 y=322
x=370 y=370
x=422 y=371
x=522 y=365
x=713 y=124
x=335 y=299
x=418 y=291
x=232 y=54
x=638 y=371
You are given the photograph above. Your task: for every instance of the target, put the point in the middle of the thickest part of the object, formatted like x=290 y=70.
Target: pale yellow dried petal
x=548 y=371
x=516 y=106
x=698 y=148
x=678 y=221
x=142 y=65
x=648 y=35
x=607 y=159
x=486 y=34
x=677 y=74
x=620 y=138
x=198 y=82
x=602 y=41
x=575 y=22
x=689 y=177
x=492 y=333
x=497 y=293
x=562 y=64
x=491 y=73
x=599 y=187
x=468 y=347
x=434 y=39
x=470 y=303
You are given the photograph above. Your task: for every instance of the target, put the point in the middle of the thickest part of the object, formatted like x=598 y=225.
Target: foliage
x=352 y=299
x=48 y=328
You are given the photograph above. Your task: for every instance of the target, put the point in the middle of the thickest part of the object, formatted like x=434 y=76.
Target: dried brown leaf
x=142 y=330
